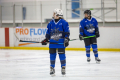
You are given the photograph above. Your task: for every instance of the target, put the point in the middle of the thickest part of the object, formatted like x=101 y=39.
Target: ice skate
x=88 y=59
x=63 y=71
x=52 y=71
x=97 y=60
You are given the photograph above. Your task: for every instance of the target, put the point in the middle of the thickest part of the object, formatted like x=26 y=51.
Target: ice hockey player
x=89 y=31
x=57 y=32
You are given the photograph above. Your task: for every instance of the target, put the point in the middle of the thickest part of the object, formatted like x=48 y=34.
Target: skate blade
x=88 y=62
x=97 y=62
x=64 y=75
x=52 y=75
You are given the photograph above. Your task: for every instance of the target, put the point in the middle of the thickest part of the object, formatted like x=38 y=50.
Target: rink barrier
x=6 y=36
x=68 y=49
x=105 y=42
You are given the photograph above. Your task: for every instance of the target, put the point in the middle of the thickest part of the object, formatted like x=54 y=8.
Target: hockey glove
x=66 y=42
x=81 y=37
x=44 y=42
x=97 y=34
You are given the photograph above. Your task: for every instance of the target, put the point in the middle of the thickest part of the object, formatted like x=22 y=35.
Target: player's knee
x=94 y=46
x=87 y=46
x=87 y=49
x=52 y=56
x=62 y=56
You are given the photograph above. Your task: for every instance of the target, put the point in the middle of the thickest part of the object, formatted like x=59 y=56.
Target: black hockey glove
x=97 y=34
x=44 y=42
x=66 y=42
x=81 y=37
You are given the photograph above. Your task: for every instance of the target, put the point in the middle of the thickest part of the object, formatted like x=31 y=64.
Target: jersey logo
x=55 y=34
x=90 y=28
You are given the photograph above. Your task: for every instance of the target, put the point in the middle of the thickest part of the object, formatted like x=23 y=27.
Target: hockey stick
x=83 y=37
x=89 y=36
x=39 y=42
x=33 y=41
x=73 y=39
x=17 y=37
x=51 y=42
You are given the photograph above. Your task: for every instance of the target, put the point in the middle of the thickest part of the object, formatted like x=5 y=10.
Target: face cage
x=57 y=15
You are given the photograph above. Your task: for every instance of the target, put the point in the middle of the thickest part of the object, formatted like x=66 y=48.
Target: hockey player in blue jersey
x=89 y=31
x=57 y=32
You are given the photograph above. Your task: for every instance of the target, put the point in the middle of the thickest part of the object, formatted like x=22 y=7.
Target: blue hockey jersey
x=88 y=27
x=56 y=32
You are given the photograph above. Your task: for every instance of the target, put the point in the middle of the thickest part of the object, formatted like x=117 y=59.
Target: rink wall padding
x=2 y=37
x=7 y=37
x=109 y=39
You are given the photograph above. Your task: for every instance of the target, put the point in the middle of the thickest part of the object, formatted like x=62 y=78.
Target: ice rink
x=34 y=65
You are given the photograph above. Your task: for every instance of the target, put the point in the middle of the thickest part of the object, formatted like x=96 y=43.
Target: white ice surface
x=34 y=65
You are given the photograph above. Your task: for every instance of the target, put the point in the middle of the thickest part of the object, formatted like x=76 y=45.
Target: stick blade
x=16 y=36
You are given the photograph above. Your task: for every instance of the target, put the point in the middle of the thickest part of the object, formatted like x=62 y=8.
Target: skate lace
x=63 y=70
x=88 y=58
x=97 y=59
x=51 y=70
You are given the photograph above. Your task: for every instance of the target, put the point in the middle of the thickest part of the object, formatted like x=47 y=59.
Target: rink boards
x=109 y=38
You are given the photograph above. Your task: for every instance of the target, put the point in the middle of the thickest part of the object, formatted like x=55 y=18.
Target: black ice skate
x=52 y=71
x=97 y=60
x=63 y=71
x=88 y=59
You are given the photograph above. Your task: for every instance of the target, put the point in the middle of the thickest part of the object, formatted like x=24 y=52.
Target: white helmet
x=58 y=12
